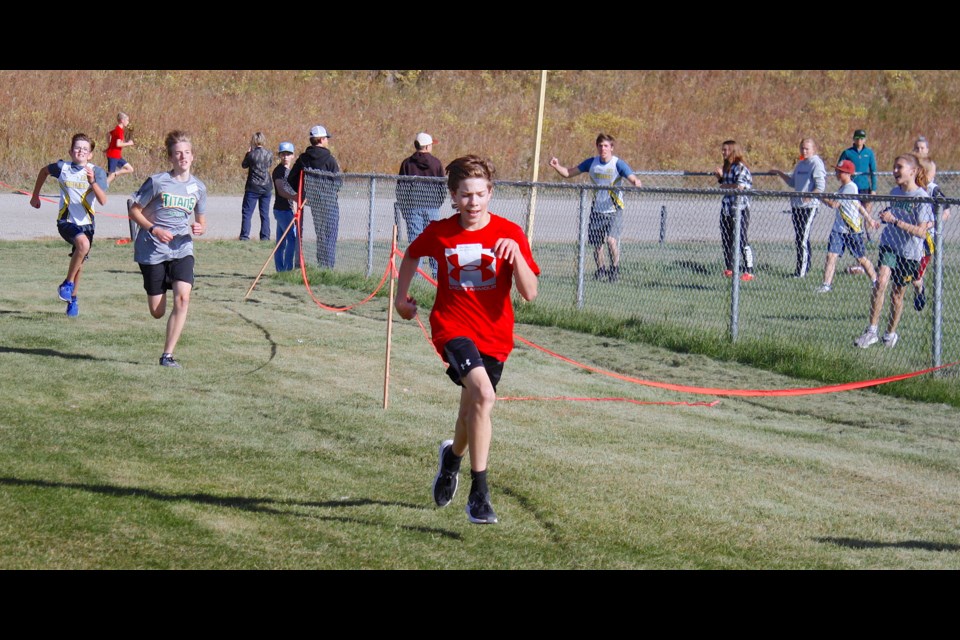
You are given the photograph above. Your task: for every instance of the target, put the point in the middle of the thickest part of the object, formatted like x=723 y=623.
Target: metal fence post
x=373 y=193
x=735 y=285
x=581 y=246
x=663 y=223
x=938 y=289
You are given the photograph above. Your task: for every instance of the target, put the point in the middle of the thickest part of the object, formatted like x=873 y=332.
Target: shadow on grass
x=694 y=266
x=529 y=506
x=266 y=334
x=659 y=284
x=854 y=543
x=200 y=276
x=60 y=354
x=252 y=505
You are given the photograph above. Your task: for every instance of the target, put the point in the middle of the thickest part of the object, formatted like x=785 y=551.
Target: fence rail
x=672 y=264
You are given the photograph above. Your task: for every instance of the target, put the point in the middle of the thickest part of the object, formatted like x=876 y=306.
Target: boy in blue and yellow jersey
x=606 y=214
x=80 y=183
x=849 y=226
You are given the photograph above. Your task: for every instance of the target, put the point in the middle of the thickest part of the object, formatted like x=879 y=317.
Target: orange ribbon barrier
x=306 y=280
x=806 y=391
x=46 y=199
x=630 y=400
x=847 y=386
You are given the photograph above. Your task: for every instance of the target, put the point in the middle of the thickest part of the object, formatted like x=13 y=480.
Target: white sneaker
x=824 y=288
x=868 y=338
x=890 y=340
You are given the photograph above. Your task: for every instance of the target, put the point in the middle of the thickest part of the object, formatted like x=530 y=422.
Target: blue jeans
x=417 y=220
x=250 y=202
x=326 y=224
x=286 y=254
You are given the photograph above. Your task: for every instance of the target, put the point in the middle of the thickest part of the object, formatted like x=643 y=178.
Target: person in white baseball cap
x=419 y=200
x=318 y=132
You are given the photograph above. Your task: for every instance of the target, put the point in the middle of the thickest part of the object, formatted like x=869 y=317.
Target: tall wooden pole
x=536 y=156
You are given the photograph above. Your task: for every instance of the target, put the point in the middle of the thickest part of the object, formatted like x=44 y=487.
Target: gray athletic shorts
x=603 y=226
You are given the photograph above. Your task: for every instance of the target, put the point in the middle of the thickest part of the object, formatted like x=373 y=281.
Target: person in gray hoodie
x=810 y=176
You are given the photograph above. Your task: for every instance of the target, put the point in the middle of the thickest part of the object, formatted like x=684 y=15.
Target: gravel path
x=20 y=221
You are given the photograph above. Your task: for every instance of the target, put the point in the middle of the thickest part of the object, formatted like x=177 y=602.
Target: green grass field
x=673 y=296
x=270 y=448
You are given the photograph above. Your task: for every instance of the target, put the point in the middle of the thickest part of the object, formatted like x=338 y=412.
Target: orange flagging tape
x=46 y=199
x=306 y=281
x=630 y=400
x=847 y=386
x=426 y=276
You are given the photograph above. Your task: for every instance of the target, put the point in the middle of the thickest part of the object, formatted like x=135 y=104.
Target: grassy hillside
x=662 y=119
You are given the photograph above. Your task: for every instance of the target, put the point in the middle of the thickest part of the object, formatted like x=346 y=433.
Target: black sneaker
x=920 y=299
x=446 y=482
x=479 y=509
x=166 y=360
x=600 y=274
x=613 y=274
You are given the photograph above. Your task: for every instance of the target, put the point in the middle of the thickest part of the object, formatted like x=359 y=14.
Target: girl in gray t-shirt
x=901 y=248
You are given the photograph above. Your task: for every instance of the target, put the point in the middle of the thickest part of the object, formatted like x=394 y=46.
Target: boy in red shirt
x=480 y=256
x=116 y=165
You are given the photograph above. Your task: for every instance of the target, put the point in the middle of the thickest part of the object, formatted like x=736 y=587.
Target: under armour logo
x=465 y=364
x=486 y=264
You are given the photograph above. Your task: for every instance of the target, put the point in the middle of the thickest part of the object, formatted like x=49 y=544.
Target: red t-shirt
x=473 y=286
x=113 y=151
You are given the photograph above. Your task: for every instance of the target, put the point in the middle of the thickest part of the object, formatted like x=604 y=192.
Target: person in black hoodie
x=322 y=200
x=419 y=200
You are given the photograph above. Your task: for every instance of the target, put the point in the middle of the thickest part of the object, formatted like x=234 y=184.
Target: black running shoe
x=446 y=482
x=920 y=299
x=479 y=509
x=167 y=360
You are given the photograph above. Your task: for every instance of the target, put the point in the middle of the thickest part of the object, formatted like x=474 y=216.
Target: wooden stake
x=393 y=281
x=272 y=253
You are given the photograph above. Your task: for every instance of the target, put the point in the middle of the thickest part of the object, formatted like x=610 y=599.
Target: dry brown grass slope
x=661 y=119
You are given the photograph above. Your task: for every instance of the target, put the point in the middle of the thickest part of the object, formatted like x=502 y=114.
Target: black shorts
x=159 y=278
x=462 y=355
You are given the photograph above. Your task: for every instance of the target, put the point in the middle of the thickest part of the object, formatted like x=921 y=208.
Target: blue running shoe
x=65 y=291
x=73 y=309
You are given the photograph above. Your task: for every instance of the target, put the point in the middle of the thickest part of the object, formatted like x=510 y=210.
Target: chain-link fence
x=671 y=270
x=763 y=180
